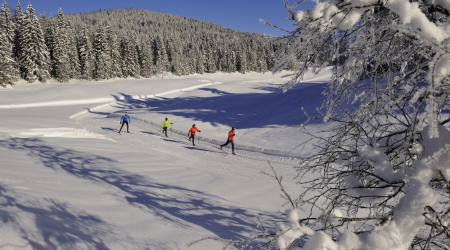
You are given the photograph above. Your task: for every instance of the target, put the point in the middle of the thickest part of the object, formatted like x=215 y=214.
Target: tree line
x=122 y=43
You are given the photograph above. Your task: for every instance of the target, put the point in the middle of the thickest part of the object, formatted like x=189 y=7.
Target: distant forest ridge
x=122 y=43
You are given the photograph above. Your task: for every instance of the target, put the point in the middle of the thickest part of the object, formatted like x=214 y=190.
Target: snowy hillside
x=70 y=181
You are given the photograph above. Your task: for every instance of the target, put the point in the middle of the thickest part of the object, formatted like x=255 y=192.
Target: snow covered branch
x=379 y=179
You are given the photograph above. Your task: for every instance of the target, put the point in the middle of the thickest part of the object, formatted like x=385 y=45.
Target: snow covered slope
x=70 y=181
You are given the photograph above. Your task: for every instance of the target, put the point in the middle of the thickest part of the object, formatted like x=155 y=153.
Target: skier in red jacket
x=191 y=133
x=230 y=139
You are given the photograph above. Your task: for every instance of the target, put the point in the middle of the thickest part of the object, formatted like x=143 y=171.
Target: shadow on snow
x=169 y=202
x=241 y=110
x=60 y=225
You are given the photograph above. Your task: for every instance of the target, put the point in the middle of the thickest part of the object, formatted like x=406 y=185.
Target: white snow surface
x=70 y=181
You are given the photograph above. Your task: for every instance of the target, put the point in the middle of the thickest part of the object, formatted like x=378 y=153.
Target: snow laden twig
x=284 y=195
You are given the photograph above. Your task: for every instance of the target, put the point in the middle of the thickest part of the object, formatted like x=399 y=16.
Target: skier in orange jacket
x=230 y=139
x=191 y=133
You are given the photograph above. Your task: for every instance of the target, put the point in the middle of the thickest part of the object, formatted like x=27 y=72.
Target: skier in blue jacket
x=125 y=119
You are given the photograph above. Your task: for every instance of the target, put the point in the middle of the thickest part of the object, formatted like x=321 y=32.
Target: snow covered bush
x=380 y=177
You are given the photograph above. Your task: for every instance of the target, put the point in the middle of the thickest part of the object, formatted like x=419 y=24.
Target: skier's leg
x=232 y=147
x=223 y=145
x=121 y=127
x=127 y=127
x=192 y=136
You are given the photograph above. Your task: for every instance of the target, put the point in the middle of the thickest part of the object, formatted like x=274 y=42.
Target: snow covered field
x=70 y=181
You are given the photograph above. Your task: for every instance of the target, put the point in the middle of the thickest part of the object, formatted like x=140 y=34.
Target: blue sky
x=242 y=15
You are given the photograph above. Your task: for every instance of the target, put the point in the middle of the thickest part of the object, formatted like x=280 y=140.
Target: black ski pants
x=123 y=123
x=228 y=142
x=192 y=138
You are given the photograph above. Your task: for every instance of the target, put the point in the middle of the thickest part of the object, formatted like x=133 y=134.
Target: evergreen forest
x=122 y=43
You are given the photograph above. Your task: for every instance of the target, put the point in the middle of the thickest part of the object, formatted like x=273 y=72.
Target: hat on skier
x=232 y=128
x=193 y=125
x=166 y=118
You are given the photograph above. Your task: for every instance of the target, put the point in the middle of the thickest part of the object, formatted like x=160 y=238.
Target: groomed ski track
x=147 y=136
x=250 y=162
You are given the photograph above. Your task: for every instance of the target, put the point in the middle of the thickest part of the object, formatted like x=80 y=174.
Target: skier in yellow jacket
x=165 y=125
